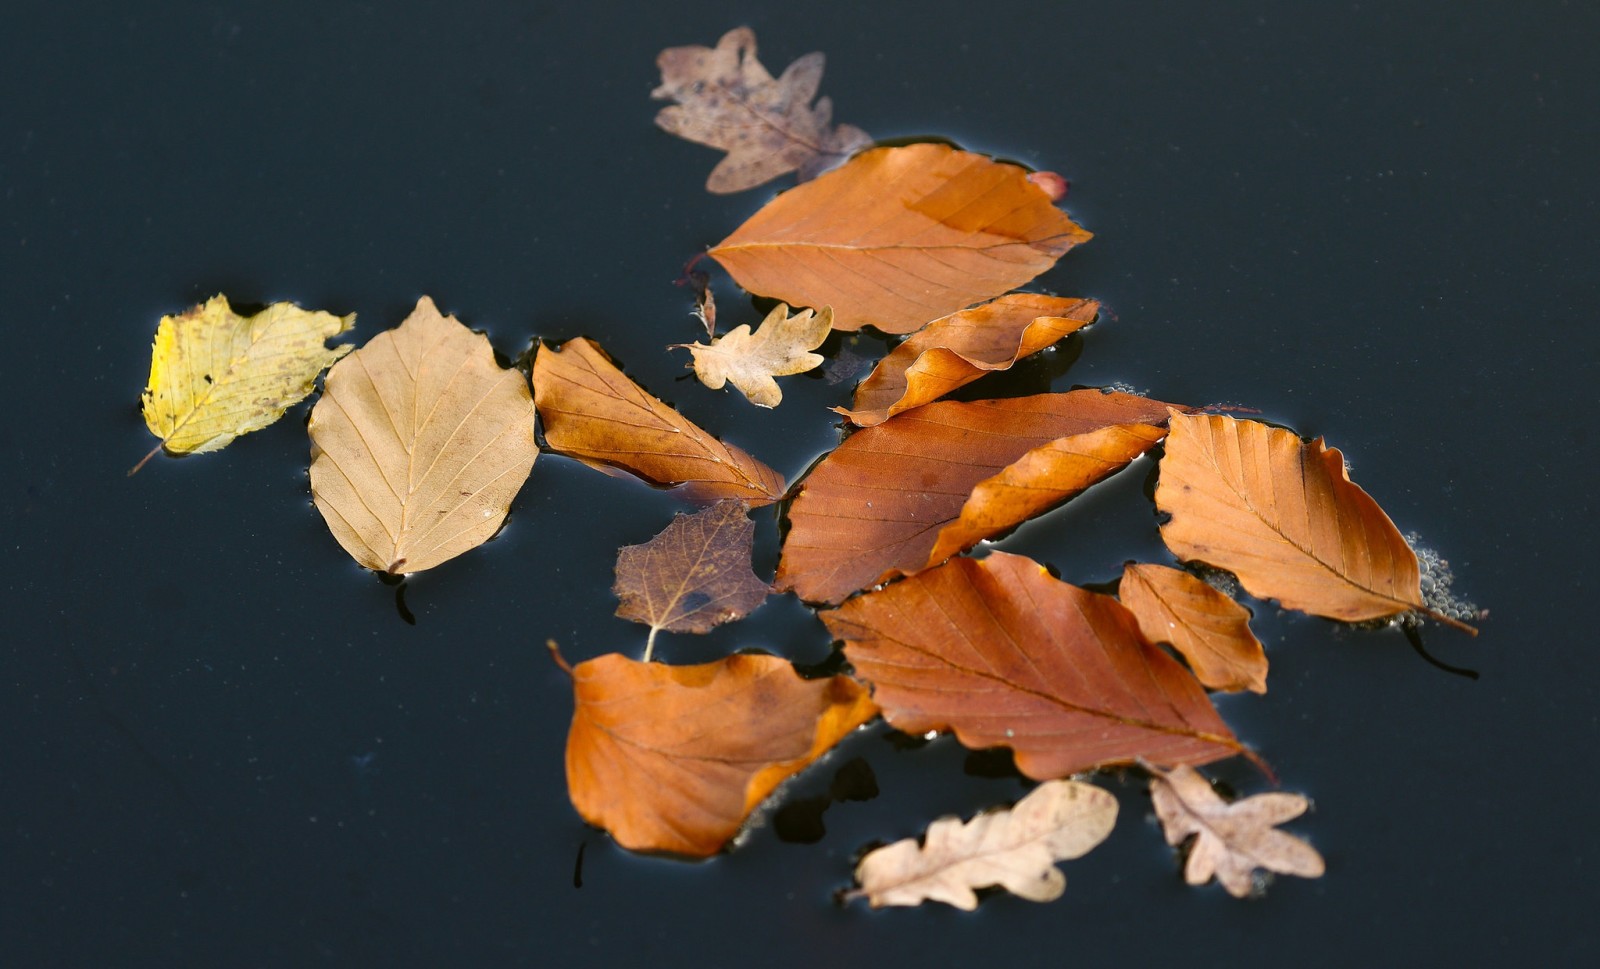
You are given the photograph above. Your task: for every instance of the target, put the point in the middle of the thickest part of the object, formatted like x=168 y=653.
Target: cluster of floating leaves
x=420 y=442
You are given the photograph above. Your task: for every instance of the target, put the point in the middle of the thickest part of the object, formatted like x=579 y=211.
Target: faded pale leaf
x=419 y=444
x=215 y=374
x=776 y=349
x=692 y=576
x=897 y=237
x=592 y=411
x=1283 y=516
x=907 y=494
x=767 y=125
x=674 y=758
x=1016 y=850
x=1004 y=655
x=1231 y=840
x=1209 y=629
x=958 y=349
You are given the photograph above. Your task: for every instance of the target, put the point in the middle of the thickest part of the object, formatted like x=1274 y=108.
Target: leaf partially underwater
x=1016 y=850
x=419 y=444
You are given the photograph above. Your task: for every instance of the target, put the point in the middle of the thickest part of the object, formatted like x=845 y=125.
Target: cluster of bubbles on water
x=1436 y=582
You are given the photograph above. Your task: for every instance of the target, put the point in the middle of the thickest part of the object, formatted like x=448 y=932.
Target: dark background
x=221 y=746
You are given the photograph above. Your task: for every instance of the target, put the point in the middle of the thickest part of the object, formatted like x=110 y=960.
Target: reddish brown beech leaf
x=692 y=576
x=768 y=127
x=1231 y=840
x=909 y=493
x=1209 y=629
x=900 y=236
x=674 y=758
x=1283 y=516
x=1003 y=654
x=592 y=411
x=958 y=349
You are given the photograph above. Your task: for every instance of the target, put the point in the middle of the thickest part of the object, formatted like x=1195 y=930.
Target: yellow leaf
x=419 y=444
x=215 y=374
x=777 y=348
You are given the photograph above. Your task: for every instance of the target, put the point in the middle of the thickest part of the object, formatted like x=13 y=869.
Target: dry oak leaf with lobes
x=674 y=758
x=1016 y=849
x=1284 y=516
x=907 y=494
x=215 y=374
x=897 y=237
x=957 y=349
x=1231 y=840
x=768 y=127
x=592 y=412
x=779 y=347
x=1209 y=629
x=1005 y=655
x=692 y=576
x=419 y=443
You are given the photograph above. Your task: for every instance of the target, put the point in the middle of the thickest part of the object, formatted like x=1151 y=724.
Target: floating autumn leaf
x=215 y=374
x=958 y=349
x=1005 y=655
x=1016 y=850
x=419 y=443
x=776 y=349
x=593 y=412
x=909 y=493
x=1231 y=840
x=900 y=236
x=1284 y=516
x=674 y=758
x=1209 y=629
x=768 y=127
x=693 y=576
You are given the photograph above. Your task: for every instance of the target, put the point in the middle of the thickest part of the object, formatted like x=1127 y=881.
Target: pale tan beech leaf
x=1016 y=850
x=749 y=361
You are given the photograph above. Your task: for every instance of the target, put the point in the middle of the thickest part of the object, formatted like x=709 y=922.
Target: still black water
x=220 y=745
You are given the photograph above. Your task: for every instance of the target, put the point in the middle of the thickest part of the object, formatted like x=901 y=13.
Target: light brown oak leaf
x=779 y=347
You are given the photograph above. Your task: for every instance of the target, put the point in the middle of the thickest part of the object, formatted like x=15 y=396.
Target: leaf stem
x=146 y=459
x=650 y=643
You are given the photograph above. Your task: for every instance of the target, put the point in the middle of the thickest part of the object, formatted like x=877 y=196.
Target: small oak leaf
x=749 y=361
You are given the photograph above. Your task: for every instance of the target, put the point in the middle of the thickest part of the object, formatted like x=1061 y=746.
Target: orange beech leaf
x=674 y=758
x=896 y=237
x=592 y=411
x=767 y=125
x=1283 y=516
x=1003 y=654
x=958 y=349
x=1209 y=629
x=909 y=493
x=692 y=576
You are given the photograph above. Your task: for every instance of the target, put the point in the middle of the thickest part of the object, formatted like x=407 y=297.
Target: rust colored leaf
x=1016 y=849
x=958 y=349
x=909 y=493
x=419 y=444
x=779 y=347
x=1231 y=840
x=692 y=576
x=1283 y=516
x=900 y=236
x=1003 y=654
x=1209 y=629
x=674 y=758
x=593 y=412
x=767 y=125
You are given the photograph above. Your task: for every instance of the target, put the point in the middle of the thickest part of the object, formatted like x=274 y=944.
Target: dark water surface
x=221 y=746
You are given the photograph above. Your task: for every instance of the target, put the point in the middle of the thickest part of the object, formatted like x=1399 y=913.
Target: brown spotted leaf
x=1231 y=840
x=907 y=494
x=692 y=576
x=1206 y=627
x=958 y=349
x=897 y=237
x=1004 y=655
x=767 y=125
x=592 y=411
x=674 y=758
